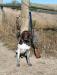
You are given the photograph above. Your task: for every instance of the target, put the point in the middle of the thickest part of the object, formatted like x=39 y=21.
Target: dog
x=23 y=48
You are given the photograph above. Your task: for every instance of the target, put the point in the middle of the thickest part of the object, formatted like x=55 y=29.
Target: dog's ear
x=21 y=41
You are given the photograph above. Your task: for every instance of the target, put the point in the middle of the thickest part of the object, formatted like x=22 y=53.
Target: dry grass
x=8 y=29
x=42 y=20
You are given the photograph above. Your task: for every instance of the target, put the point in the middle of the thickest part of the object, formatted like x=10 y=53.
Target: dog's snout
x=26 y=40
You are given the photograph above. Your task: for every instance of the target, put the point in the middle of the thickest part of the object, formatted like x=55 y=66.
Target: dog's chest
x=23 y=48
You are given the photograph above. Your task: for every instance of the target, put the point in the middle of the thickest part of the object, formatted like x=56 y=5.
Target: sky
x=36 y=1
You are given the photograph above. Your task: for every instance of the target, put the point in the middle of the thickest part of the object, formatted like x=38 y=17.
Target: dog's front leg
x=18 y=57
x=28 y=57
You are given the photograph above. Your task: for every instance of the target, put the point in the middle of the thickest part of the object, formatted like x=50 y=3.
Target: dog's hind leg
x=28 y=57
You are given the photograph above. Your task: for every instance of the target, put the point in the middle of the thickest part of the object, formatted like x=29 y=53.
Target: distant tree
x=13 y=1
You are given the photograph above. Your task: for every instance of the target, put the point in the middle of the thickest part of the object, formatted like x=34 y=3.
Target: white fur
x=22 y=48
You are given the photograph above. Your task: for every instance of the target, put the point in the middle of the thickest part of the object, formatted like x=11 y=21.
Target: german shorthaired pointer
x=23 y=48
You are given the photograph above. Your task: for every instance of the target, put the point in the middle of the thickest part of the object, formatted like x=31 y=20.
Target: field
x=45 y=25
x=41 y=66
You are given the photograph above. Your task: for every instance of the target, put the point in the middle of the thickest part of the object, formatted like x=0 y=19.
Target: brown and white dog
x=24 y=47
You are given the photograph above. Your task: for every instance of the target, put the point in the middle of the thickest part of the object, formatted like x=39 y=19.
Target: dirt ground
x=41 y=66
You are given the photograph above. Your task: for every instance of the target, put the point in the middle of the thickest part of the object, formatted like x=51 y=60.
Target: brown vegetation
x=44 y=20
x=47 y=38
x=8 y=27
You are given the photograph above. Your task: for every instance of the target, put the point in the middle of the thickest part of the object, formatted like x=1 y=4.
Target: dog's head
x=26 y=37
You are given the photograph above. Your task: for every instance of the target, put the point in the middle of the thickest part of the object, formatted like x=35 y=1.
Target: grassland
x=41 y=21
